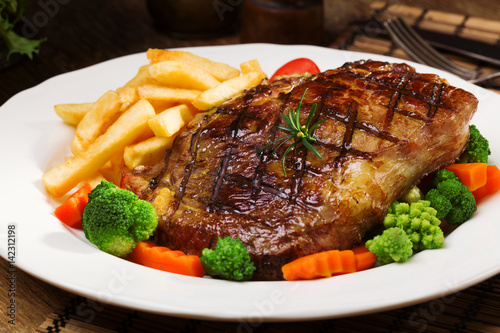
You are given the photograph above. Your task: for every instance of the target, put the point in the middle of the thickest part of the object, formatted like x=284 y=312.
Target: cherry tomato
x=297 y=66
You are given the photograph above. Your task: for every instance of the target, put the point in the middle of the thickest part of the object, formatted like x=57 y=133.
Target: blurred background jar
x=187 y=19
x=282 y=21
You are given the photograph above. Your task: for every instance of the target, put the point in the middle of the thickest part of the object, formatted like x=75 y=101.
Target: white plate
x=33 y=139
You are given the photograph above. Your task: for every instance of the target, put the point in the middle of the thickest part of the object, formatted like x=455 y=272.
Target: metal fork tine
x=408 y=43
x=432 y=52
x=412 y=48
x=412 y=43
x=420 y=50
x=401 y=41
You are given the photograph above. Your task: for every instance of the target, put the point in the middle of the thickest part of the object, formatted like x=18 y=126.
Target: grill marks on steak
x=387 y=127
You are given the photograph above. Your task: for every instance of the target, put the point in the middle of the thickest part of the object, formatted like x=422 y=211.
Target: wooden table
x=82 y=33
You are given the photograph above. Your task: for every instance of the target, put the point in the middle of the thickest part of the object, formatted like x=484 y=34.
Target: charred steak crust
x=387 y=127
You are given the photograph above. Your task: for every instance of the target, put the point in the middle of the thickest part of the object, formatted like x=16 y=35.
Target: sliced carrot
x=324 y=263
x=472 y=175
x=328 y=263
x=348 y=261
x=359 y=249
x=364 y=258
x=313 y=266
x=71 y=210
x=162 y=258
x=492 y=183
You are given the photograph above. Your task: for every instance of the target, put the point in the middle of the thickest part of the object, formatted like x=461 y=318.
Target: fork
x=420 y=51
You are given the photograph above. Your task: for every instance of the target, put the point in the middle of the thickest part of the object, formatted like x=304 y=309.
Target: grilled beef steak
x=387 y=126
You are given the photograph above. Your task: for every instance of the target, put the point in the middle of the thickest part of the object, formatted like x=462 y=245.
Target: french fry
x=146 y=152
x=138 y=122
x=140 y=78
x=160 y=105
x=128 y=93
x=93 y=180
x=72 y=113
x=128 y=96
x=148 y=133
x=251 y=66
x=112 y=169
x=123 y=132
x=112 y=175
x=170 y=121
x=95 y=122
x=116 y=161
x=220 y=71
x=182 y=75
x=213 y=97
x=167 y=94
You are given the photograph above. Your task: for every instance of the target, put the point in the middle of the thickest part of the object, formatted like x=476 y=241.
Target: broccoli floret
x=393 y=245
x=443 y=175
x=453 y=201
x=115 y=219
x=477 y=150
x=420 y=223
x=439 y=202
x=413 y=195
x=230 y=260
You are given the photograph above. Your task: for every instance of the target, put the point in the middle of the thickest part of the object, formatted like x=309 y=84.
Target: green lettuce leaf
x=10 y=13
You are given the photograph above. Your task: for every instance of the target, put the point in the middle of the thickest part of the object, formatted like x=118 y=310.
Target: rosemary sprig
x=301 y=133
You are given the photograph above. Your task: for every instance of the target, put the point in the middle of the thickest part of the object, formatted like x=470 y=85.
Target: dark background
x=81 y=33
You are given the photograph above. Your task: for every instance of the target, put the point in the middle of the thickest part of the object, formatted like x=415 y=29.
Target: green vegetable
x=443 y=175
x=413 y=195
x=409 y=228
x=452 y=199
x=477 y=150
x=230 y=260
x=393 y=245
x=115 y=219
x=11 y=12
x=439 y=202
x=301 y=133
x=420 y=223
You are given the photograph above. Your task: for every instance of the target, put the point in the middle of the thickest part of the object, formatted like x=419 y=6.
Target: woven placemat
x=475 y=309
x=370 y=36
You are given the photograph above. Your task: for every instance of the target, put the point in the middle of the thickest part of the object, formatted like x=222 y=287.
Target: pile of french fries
x=135 y=124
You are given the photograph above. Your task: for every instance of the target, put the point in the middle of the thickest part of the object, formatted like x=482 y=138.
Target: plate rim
x=231 y=314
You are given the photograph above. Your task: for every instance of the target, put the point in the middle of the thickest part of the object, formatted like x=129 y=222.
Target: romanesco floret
x=420 y=223
x=230 y=260
x=413 y=195
x=393 y=245
x=452 y=199
x=478 y=148
x=115 y=219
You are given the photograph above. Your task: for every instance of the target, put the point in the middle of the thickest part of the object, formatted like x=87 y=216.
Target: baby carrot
x=364 y=258
x=492 y=183
x=71 y=210
x=162 y=258
x=472 y=175
x=328 y=263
